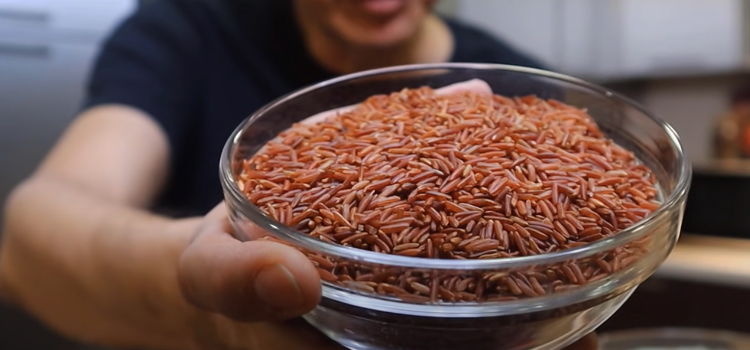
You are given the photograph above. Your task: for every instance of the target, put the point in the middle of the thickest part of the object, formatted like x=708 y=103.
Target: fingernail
x=276 y=286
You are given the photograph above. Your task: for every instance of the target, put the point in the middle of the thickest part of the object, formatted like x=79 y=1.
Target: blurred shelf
x=715 y=260
x=729 y=167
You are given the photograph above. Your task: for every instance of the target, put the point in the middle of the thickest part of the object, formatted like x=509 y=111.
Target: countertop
x=717 y=260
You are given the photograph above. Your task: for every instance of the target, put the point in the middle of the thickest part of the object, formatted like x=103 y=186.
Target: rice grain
x=455 y=177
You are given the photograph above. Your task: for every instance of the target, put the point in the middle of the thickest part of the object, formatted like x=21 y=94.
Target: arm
x=74 y=233
x=81 y=254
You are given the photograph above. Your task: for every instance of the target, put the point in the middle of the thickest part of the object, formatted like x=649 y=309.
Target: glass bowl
x=544 y=301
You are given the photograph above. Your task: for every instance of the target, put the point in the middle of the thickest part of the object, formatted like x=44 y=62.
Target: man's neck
x=432 y=43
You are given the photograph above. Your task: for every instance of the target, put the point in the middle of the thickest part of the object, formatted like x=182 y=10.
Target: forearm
x=95 y=270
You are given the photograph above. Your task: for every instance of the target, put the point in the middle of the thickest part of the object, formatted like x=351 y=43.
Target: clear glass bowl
x=534 y=302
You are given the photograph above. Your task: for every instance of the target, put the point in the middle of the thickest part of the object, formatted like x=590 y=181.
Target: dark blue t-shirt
x=199 y=67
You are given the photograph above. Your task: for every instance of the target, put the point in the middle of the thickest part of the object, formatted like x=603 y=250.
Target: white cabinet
x=41 y=87
x=92 y=16
x=619 y=38
x=577 y=36
x=47 y=48
x=528 y=25
x=664 y=36
x=565 y=35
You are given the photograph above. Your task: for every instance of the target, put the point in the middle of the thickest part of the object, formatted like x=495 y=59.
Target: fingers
x=588 y=342
x=6 y=294
x=474 y=85
x=246 y=281
x=294 y=334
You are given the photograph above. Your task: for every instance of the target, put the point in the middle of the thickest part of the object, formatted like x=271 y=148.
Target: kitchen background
x=680 y=58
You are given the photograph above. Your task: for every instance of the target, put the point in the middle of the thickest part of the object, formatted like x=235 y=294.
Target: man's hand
x=251 y=292
x=247 y=281
x=248 y=290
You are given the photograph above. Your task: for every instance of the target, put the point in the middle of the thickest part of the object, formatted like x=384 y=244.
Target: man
x=107 y=242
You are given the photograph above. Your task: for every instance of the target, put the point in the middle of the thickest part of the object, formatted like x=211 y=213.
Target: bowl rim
x=253 y=213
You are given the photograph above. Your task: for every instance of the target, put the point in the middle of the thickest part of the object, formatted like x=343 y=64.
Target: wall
x=550 y=32
x=619 y=38
x=47 y=48
x=524 y=24
x=448 y=7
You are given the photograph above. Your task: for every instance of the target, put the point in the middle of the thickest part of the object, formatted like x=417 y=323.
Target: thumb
x=246 y=281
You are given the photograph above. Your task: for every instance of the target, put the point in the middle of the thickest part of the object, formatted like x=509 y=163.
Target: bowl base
x=499 y=333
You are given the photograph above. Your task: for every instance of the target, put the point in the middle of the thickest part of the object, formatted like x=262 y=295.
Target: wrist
x=136 y=280
x=203 y=330
x=7 y=296
x=177 y=323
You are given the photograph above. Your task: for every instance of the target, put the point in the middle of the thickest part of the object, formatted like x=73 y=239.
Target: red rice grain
x=462 y=176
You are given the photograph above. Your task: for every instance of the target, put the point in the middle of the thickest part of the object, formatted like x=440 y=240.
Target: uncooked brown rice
x=464 y=176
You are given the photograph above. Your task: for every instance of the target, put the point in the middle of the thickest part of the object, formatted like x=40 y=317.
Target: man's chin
x=377 y=38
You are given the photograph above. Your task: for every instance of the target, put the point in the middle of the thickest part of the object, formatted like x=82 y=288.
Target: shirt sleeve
x=148 y=63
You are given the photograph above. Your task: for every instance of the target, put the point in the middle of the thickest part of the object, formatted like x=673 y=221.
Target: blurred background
x=686 y=60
